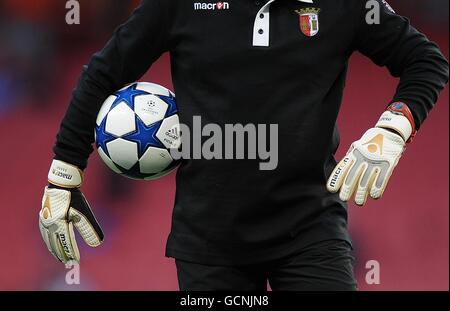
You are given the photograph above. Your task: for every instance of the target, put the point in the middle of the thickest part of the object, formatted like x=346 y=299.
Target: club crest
x=309 y=21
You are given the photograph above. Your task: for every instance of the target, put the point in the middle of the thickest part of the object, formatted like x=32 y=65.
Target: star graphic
x=145 y=136
x=127 y=96
x=171 y=102
x=103 y=137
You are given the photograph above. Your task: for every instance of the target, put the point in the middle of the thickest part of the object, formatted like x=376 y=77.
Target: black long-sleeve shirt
x=236 y=63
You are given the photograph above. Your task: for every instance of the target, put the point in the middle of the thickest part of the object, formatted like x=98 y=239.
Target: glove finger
x=381 y=181
x=351 y=181
x=51 y=241
x=86 y=228
x=337 y=177
x=84 y=220
x=67 y=244
x=75 y=252
x=44 y=234
x=58 y=248
x=365 y=185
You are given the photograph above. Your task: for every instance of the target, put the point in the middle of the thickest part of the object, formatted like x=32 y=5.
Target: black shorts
x=323 y=266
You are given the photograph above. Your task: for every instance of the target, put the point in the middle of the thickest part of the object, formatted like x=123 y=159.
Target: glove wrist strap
x=399 y=118
x=65 y=175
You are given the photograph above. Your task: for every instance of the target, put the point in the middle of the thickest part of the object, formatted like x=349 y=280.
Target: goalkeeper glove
x=63 y=207
x=369 y=163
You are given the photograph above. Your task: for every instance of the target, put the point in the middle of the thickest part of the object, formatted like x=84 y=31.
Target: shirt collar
x=261 y=26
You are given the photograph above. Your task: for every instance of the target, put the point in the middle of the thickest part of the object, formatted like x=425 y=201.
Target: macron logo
x=211 y=6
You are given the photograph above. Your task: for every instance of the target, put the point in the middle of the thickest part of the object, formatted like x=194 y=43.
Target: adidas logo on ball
x=173 y=133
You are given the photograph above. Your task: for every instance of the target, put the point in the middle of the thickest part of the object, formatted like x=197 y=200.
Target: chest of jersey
x=280 y=35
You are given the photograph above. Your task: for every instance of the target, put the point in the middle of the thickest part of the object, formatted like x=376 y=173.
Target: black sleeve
x=134 y=46
x=408 y=54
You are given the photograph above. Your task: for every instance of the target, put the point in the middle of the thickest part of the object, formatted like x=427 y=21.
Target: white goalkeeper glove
x=369 y=163
x=63 y=207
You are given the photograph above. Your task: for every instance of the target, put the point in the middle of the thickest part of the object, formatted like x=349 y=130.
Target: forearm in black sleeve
x=408 y=54
x=134 y=46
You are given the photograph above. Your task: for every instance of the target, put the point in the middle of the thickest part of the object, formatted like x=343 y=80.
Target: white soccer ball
x=135 y=130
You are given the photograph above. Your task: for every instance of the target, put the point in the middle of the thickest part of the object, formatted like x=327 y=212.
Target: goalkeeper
x=234 y=226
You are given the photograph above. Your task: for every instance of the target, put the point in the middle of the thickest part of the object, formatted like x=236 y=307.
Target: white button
x=261 y=27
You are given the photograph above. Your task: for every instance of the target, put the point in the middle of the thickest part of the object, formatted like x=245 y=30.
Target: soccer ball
x=135 y=130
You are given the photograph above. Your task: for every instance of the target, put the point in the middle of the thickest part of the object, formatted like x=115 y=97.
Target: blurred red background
x=40 y=60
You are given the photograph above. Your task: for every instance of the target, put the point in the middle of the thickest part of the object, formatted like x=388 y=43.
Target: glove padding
x=368 y=165
x=62 y=209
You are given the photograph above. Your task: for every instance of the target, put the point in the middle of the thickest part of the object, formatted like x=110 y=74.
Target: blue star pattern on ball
x=103 y=137
x=171 y=102
x=127 y=96
x=145 y=136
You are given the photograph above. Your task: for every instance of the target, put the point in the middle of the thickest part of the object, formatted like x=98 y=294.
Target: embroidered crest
x=309 y=21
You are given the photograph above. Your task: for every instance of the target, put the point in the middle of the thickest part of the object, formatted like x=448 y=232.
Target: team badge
x=309 y=21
